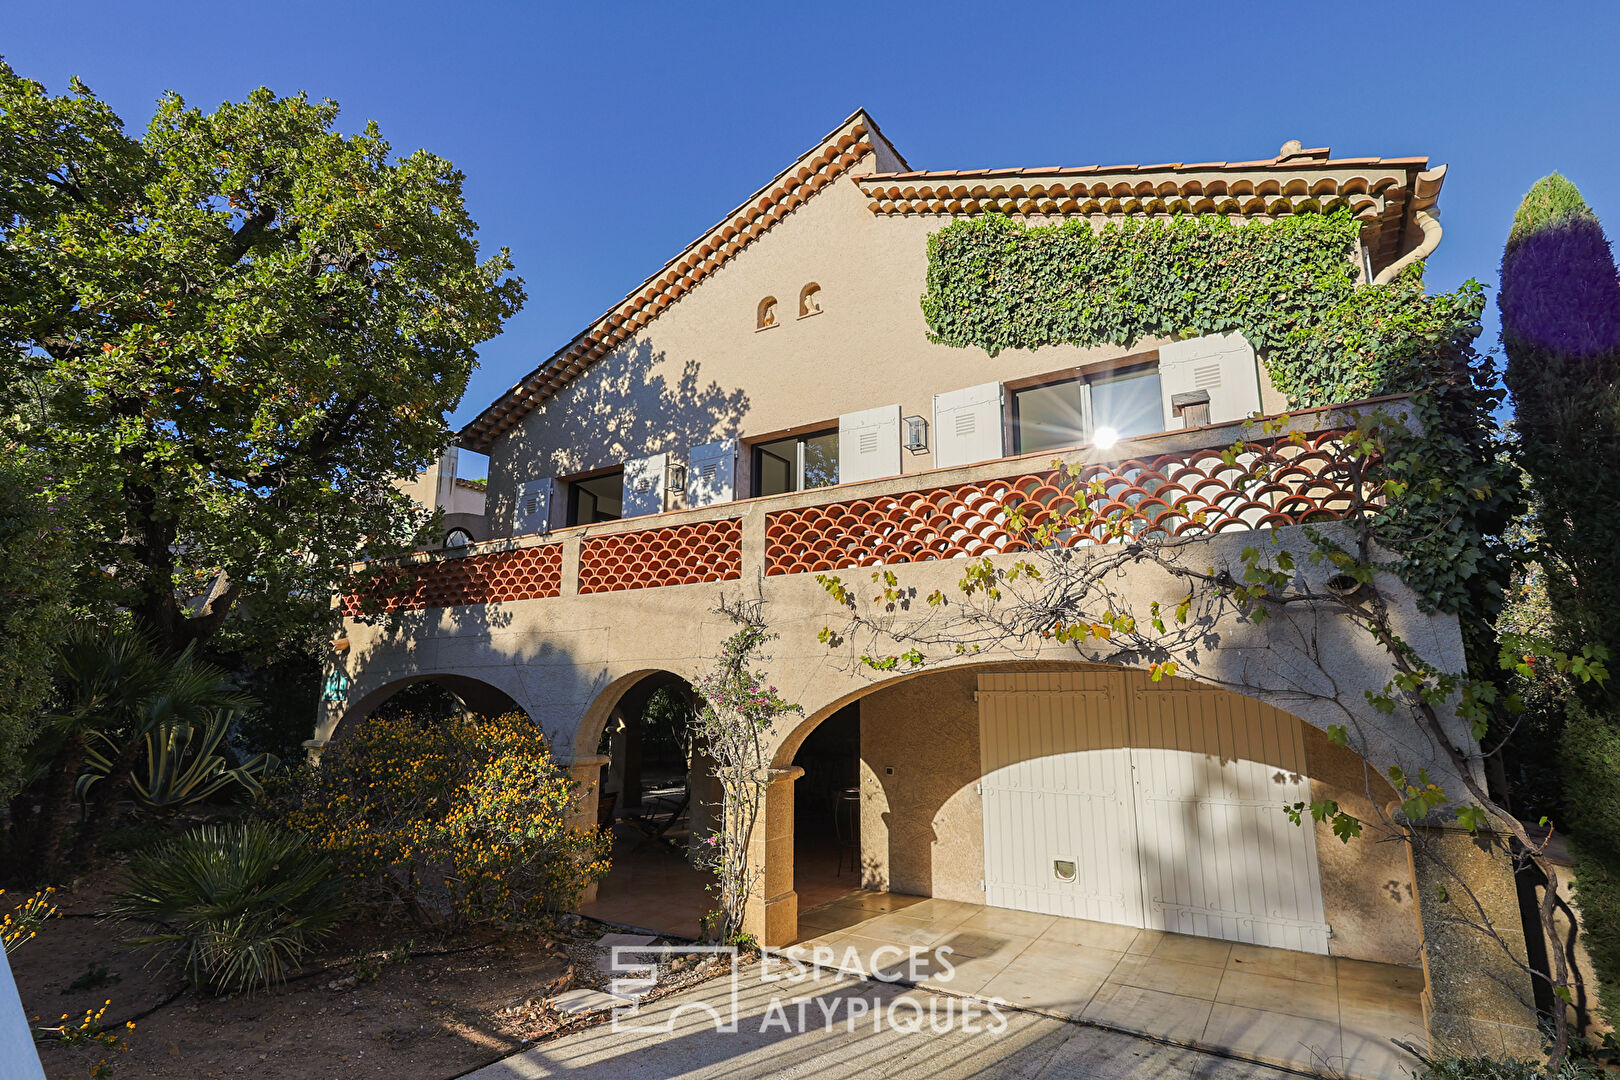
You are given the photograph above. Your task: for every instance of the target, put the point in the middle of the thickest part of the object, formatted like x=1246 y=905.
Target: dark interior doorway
x=827 y=810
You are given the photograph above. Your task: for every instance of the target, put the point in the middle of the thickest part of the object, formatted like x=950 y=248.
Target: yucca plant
x=180 y=768
x=236 y=906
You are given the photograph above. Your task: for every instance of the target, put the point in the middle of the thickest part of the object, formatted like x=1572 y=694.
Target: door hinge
x=981 y=885
x=978 y=789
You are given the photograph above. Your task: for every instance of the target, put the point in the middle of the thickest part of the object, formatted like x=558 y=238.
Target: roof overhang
x=1384 y=193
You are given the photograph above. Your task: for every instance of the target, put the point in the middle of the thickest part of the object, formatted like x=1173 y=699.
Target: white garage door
x=1110 y=797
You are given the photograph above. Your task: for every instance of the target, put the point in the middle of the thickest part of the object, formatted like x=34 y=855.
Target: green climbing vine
x=1289 y=286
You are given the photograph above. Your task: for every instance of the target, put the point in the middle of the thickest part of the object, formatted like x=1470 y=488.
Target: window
x=1058 y=415
x=598 y=498
x=796 y=464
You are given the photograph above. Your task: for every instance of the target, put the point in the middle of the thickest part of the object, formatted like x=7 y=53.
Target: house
x=439 y=488
x=768 y=406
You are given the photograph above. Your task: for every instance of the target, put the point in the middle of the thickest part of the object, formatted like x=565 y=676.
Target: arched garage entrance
x=1085 y=841
x=1095 y=793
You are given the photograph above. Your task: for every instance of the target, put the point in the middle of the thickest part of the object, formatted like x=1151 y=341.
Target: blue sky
x=599 y=139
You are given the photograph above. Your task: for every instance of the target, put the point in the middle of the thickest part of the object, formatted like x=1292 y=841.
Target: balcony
x=1200 y=482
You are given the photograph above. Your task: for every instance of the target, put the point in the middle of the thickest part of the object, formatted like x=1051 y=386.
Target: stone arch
x=588 y=734
x=475 y=695
x=653 y=795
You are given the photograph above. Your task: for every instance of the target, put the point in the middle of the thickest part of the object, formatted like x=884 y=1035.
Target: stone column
x=587 y=773
x=772 y=914
x=1475 y=1001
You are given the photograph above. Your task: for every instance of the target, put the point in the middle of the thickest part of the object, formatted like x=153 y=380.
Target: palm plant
x=236 y=905
x=113 y=682
x=180 y=766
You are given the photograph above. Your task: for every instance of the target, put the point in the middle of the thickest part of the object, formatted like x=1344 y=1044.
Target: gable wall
x=702 y=372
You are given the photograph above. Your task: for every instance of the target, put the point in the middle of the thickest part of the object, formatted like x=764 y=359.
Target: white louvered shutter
x=532 y=511
x=644 y=485
x=967 y=425
x=1223 y=365
x=711 y=473
x=869 y=444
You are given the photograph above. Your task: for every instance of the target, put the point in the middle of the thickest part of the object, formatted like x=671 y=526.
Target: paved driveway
x=833 y=1025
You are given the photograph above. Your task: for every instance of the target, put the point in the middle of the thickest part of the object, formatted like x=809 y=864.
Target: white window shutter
x=644 y=485
x=967 y=426
x=532 y=511
x=869 y=444
x=711 y=473
x=1222 y=365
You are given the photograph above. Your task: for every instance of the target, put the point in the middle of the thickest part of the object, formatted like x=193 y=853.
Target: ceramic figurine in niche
x=767 y=313
x=810 y=300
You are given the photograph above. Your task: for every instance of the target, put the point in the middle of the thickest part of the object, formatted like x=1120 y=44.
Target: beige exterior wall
x=922 y=827
x=701 y=372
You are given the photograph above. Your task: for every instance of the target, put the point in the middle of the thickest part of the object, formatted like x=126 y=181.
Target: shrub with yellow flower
x=460 y=821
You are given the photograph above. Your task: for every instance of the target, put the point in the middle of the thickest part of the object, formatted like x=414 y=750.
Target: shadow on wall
x=465 y=650
x=630 y=406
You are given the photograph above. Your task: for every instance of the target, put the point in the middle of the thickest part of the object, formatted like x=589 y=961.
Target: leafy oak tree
x=228 y=336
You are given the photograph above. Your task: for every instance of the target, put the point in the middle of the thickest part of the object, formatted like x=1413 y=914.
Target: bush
x=457 y=820
x=237 y=905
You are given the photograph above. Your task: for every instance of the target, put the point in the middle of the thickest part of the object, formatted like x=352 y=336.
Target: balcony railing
x=1205 y=481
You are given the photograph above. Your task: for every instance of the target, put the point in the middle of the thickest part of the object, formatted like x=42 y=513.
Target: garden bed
x=412 y=1005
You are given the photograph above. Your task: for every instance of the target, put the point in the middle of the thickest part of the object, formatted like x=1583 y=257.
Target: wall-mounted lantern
x=916 y=434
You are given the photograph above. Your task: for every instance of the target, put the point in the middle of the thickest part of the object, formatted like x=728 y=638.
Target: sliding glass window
x=1060 y=415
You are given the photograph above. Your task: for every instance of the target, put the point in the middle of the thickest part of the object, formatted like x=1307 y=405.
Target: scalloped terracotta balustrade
x=1270 y=484
x=526 y=574
x=651 y=558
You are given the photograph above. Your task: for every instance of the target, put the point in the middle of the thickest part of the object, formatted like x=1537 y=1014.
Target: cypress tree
x=1560 y=305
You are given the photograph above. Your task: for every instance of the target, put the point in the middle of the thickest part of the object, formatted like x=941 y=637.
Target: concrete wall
x=1366 y=883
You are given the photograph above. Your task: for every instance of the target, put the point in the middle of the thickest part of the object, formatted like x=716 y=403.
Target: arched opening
x=1078 y=834
x=810 y=300
x=657 y=797
x=428 y=698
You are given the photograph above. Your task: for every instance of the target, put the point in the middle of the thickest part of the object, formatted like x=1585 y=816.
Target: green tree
x=1560 y=304
x=38 y=549
x=230 y=336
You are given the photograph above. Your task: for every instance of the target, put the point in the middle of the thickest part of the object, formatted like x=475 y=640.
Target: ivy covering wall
x=1289 y=286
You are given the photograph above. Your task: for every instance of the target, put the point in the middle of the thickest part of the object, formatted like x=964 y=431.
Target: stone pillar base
x=1476 y=1000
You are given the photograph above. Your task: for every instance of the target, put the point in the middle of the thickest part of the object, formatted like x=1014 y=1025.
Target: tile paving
x=1318 y=1013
